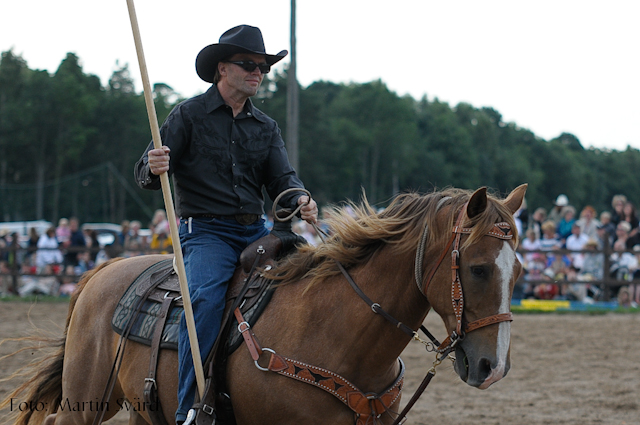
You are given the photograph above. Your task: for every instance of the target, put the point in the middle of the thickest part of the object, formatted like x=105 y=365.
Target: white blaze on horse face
x=505 y=263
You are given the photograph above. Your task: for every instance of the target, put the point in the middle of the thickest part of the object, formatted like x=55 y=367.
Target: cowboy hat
x=240 y=39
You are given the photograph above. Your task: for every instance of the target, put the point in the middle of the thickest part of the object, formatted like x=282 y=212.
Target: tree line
x=58 y=130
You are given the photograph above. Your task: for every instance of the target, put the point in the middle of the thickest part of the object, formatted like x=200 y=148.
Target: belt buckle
x=246 y=219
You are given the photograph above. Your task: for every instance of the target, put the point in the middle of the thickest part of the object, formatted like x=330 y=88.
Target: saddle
x=150 y=312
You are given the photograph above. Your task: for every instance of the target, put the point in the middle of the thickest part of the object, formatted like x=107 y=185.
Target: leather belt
x=244 y=219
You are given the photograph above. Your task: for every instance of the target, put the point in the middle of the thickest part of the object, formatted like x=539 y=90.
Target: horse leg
x=136 y=418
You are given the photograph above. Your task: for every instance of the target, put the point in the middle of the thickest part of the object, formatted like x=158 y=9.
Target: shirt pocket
x=214 y=150
x=254 y=152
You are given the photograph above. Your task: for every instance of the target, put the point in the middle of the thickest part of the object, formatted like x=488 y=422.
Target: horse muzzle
x=480 y=371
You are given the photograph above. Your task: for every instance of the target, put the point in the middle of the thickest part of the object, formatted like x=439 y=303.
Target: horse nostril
x=485 y=368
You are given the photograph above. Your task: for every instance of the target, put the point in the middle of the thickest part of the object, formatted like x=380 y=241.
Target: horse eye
x=477 y=271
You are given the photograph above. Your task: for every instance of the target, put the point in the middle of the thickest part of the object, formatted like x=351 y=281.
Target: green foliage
x=68 y=146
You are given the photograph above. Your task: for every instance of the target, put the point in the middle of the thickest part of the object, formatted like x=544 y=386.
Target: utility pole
x=293 y=105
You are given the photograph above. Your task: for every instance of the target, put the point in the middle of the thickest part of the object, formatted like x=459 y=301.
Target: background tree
x=68 y=146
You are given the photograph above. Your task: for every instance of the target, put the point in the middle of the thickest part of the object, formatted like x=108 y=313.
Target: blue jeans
x=211 y=248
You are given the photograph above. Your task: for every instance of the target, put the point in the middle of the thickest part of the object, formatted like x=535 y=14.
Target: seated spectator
x=574 y=291
x=593 y=263
x=161 y=238
x=622 y=234
x=576 y=242
x=549 y=241
x=125 y=226
x=629 y=215
x=63 y=233
x=75 y=244
x=624 y=298
x=530 y=242
x=11 y=251
x=32 y=246
x=556 y=213
x=623 y=264
x=43 y=284
x=539 y=216
x=564 y=227
x=546 y=291
x=606 y=231
x=91 y=239
x=588 y=222
x=85 y=263
x=134 y=243
x=617 y=203
x=48 y=252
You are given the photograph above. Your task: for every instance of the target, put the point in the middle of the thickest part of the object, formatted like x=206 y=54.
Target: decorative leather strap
x=364 y=405
x=481 y=323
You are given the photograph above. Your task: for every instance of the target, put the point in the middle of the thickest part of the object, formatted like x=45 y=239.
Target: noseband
x=500 y=230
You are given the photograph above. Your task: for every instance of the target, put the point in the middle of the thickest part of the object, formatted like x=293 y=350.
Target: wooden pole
x=293 y=98
x=168 y=204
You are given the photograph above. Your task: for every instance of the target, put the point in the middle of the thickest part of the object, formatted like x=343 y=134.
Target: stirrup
x=191 y=416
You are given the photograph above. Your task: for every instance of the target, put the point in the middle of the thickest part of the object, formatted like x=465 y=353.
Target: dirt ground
x=565 y=369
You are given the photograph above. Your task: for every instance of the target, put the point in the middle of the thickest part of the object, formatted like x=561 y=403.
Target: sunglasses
x=249 y=66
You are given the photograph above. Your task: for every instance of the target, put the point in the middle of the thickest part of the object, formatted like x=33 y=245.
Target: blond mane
x=358 y=231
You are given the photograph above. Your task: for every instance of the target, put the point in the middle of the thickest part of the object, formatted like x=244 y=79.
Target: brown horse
x=315 y=316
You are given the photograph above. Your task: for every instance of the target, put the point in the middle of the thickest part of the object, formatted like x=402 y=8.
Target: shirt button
x=233 y=141
x=241 y=207
x=235 y=185
x=248 y=114
x=234 y=164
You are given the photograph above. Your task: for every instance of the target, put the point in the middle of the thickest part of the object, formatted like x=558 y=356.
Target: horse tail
x=41 y=393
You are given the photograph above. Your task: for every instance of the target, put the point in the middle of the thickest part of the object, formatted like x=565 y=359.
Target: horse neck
x=369 y=342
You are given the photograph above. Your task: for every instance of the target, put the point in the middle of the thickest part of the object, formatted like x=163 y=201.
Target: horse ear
x=477 y=203
x=515 y=198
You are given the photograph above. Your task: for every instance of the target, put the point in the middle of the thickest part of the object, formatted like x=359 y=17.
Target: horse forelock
x=495 y=212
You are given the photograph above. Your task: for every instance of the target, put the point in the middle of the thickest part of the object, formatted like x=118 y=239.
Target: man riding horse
x=221 y=151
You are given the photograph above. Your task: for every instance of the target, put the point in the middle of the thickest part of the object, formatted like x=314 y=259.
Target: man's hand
x=309 y=212
x=159 y=160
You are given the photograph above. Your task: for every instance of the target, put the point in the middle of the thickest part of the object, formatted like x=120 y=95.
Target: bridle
x=500 y=230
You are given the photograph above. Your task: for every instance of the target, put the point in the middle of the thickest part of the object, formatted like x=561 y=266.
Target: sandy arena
x=565 y=369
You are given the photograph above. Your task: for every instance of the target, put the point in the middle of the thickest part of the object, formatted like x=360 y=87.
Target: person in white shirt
x=48 y=252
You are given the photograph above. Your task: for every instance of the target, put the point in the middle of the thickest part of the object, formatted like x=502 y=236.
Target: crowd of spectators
x=563 y=252
x=51 y=263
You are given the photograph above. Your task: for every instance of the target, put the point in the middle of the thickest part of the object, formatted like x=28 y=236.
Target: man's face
x=237 y=79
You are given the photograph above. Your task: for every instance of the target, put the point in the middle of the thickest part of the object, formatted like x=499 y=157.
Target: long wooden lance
x=168 y=204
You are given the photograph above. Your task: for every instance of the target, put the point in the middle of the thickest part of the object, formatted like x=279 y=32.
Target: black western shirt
x=219 y=162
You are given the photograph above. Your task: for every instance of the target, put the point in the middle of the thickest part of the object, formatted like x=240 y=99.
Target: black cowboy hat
x=240 y=39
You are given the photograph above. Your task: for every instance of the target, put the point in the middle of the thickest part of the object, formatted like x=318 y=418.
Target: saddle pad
x=146 y=319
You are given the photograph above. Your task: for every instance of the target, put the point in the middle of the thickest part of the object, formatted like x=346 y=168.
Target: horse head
x=471 y=289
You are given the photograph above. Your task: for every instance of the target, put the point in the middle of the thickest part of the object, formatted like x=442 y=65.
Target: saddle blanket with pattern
x=142 y=301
